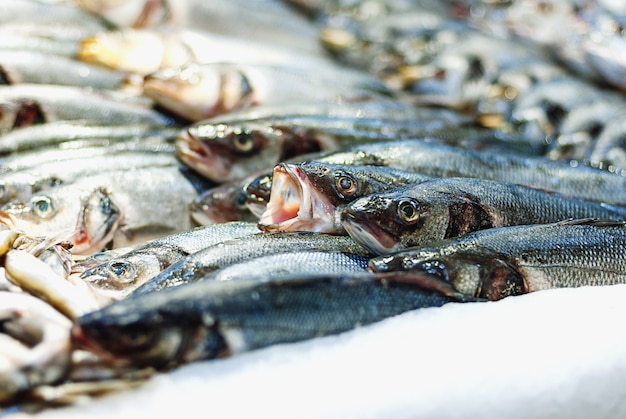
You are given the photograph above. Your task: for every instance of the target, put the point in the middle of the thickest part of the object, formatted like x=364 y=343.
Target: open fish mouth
x=201 y=157
x=295 y=205
x=367 y=233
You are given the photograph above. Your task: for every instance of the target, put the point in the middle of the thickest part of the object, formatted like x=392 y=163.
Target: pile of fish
x=190 y=180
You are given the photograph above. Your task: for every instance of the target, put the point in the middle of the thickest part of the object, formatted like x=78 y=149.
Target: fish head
x=145 y=337
x=386 y=223
x=256 y=193
x=221 y=204
x=199 y=92
x=471 y=271
x=225 y=152
x=123 y=274
x=305 y=199
x=90 y=221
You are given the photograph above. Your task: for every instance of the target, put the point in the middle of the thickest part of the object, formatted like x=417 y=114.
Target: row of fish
x=193 y=196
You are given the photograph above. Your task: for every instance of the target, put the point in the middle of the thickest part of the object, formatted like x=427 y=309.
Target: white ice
x=551 y=354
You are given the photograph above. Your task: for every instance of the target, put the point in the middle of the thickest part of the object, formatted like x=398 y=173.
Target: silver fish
x=196 y=265
x=418 y=215
x=212 y=319
x=122 y=274
x=500 y=262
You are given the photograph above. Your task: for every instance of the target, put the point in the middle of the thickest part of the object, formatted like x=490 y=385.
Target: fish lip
x=314 y=211
x=367 y=233
x=202 y=158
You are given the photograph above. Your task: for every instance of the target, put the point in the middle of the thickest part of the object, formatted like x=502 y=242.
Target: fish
x=61 y=133
x=282 y=265
x=212 y=319
x=225 y=150
x=25 y=67
x=496 y=263
x=114 y=206
x=41 y=12
x=145 y=51
x=222 y=203
x=200 y=91
x=37 y=103
x=310 y=196
x=229 y=252
x=122 y=274
x=442 y=208
x=35 y=344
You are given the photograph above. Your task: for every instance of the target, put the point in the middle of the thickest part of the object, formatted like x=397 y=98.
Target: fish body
x=500 y=262
x=196 y=265
x=200 y=91
x=212 y=319
x=309 y=196
x=284 y=265
x=28 y=104
x=440 y=160
x=422 y=214
x=121 y=274
x=25 y=67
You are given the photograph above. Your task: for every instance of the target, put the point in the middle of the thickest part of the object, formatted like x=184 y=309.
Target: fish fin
x=592 y=222
x=430 y=282
x=467 y=215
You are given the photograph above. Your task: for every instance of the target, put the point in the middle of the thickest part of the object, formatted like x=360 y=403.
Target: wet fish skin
x=283 y=265
x=196 y=265
x=439 y=160
x=36 y=103
x=212 y=319
x=124 y=273
x=500 y=262
x=24 y=67
x=309 y=196
x=220 y=204
x=421 y=214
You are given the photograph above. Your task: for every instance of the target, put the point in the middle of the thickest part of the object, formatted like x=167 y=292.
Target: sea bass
x=421 y=214
x=499 y=262
x=309 y=196
x=119 y=206
x=212 y=319
x=122 y=274
x=193 y=267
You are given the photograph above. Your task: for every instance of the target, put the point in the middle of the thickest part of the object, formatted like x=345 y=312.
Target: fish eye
x=43 y=207
x=135 y=337
x=346 y=184
x=122 y=270
x=408 y=211
x=243 y=142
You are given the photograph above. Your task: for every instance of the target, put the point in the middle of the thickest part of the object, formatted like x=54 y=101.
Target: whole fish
x=118 y=206
x=283 y=265
x=144 y=51
x=224 y=150
x=57 y=133
x=21 y=185
x=418 y=215
x=196 y=265
x=36 y=103
x=310 y=196
x=212 y=319
x=499 y=262
x=122 y=274
x=200 y=91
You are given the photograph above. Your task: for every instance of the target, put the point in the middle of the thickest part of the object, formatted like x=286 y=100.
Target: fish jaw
x=364 y=230
x=295 y=204
x=194 y=152
x=98 y=220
